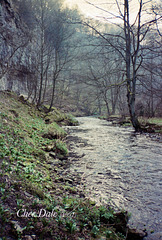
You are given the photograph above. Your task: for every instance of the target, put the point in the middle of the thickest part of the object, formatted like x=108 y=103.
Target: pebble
x=28 y=237
x=154 y=236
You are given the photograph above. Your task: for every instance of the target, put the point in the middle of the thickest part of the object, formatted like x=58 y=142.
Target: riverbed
x=120 y=168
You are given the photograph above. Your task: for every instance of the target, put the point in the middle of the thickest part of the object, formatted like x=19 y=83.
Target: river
x=120 y=167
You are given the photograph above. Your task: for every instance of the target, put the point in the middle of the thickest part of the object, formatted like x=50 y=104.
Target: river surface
x=118 y=166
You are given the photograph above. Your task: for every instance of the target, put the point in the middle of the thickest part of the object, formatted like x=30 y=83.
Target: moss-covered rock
x=53 y=131
x=39 y=154
x=61 y=118
x=54 y=116
x=60 y=148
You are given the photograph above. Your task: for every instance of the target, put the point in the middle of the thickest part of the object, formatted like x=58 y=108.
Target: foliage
x=53 y=131
x=31 y=187
x=60 y=147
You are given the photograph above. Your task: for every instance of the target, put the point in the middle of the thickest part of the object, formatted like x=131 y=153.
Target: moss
x=151 y=125
x=157 y=121
x=158 y=131
x=53 y=131
x=70 y=120
x=60 y=148
x=60 y=118
x=34 y=189
x=71 y=189
x=40 y=154
x=28 y=179
x=14 y=113
x=54 y=116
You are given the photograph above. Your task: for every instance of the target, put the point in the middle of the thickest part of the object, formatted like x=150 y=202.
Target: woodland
x=54 y=61
x=55 y=56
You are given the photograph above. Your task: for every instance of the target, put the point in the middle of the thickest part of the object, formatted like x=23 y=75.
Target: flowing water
x=118 y=165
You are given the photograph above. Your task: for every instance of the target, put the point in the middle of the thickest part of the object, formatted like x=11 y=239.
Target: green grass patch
x=31 y=180
x=157 y=121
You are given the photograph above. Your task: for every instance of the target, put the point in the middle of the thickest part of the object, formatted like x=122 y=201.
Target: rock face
x=9 y=20
x=8 y=38
x=13 y=36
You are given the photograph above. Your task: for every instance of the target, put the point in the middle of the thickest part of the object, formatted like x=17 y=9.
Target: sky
x=87 y=9
x=109 y=5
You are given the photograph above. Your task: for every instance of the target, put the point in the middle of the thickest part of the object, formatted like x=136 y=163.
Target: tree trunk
x=106 y=102
x=53 y=93
x=41 y=58
x=131 y=82
x=55 y=75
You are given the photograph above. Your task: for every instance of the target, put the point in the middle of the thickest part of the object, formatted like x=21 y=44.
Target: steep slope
x=38 y=198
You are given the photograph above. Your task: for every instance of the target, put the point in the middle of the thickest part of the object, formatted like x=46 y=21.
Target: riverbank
x=39 y=197
x=152 y=127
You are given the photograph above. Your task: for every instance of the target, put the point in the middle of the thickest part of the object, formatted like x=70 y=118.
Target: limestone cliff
x=13 y=36
x=9 y=20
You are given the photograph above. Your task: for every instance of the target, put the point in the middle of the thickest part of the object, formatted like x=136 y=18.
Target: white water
x=119 y=165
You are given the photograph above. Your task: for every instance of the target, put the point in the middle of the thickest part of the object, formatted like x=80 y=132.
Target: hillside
x=38 y=200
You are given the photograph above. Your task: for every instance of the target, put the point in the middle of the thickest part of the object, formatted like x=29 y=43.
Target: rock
x=34 y=236
x=70 y=181
x=17 y=227
x=52 y=154
x=14 y=113
x=28 y=194
x=82 y=195
x=155 y=236
x=51 y=135
x=134 y=234
x=22 y=99
x=49 y=148
x=28 y=237
x=60 y=179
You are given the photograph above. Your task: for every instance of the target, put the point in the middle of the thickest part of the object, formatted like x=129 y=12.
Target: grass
x=151 y=124
x=157 y=121
x=32 y=183
x=154 y=120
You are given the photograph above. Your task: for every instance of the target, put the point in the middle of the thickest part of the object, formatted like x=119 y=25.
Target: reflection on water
x=120 y=165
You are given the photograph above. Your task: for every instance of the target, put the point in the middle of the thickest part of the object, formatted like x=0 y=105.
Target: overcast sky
x=90 y=11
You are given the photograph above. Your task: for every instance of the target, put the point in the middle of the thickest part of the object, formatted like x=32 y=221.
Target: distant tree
x=150 y=76
x=128 y=42
x=51 y=37
x=105 y=74
x=62 y=33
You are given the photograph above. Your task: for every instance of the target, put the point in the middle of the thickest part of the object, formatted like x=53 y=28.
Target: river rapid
x=120 y=167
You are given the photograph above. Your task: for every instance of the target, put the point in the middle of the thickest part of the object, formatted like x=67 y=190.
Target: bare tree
x=51 y=34
x=128 y=42
x=105 y=74
x=150 y=77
